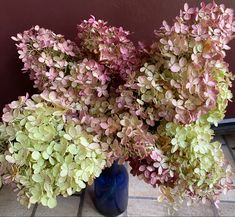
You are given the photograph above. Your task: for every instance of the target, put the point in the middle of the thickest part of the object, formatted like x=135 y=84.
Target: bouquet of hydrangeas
x=180 y=90
x=57 y=141
x=103 y=99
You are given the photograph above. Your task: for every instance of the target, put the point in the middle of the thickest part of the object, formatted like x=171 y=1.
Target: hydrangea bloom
x=45 y=152
x=181 y=89
x=192 y=50
x=109 y=46
x=84 y=81
x=192 y=150
x=182 y=78
x=45 y=55
x=152 y=107
x=185 y=164
x=153 y=169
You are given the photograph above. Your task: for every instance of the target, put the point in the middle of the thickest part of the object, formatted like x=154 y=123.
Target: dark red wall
x=139 y=16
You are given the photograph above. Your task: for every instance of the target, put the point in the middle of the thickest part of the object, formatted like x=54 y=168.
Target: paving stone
x=65 y=207
x=230 y=195
x=228 y=155
x=226 y=209
x=230 y=139
x=146 y=207
x=9 y=206
x=195 y=210
x=88 y=206
x=140 y=188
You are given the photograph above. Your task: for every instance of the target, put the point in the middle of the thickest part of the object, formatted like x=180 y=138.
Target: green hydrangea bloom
x=47 y=152
x=224 y=83
x=197 y=161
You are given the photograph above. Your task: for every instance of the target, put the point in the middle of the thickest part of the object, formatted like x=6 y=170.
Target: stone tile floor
x=142 y=200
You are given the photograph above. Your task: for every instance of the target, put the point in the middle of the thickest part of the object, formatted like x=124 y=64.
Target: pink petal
x=153 y=181
x=186 y=6
x=124 y=50
x=175 y=68
x=104 y=125
x=7 y=117
x=142 y=168
x=190 y=11
x=146 y=173
x=177 y=27
x=160 y=170
x=41 y=60
x=150 y=168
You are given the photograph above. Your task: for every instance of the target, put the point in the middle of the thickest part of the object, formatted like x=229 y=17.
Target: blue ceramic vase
x=111 y=190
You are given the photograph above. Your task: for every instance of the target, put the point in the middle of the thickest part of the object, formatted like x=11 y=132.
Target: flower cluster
x=87 y=80
x=108 y=45
x=193 y=151
x=153 y=169
x=179 y=91
x=181 y=78
x=102 y=99
x=67 y=134
x=192 y=50
x=45 y=55
x=46 y=152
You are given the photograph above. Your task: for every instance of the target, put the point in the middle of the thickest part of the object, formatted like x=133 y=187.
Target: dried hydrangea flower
x=158 y=115
x=181 y=81
x=153 y=169
x=47 y=153
x=45 y=54
x=68 y=76
x=185 y=164
x=108 y=45
x=192 y=150
x=183 y=87
x=192 y=51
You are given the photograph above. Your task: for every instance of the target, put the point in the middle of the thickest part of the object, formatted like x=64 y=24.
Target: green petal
x=36 y=155
x=73 y=149
x=10 y=159
x=37 y=178
x=52 y=203
x=67 y=136
x=81 y=184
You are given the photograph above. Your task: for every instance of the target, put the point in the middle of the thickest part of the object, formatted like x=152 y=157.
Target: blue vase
x=111 y=190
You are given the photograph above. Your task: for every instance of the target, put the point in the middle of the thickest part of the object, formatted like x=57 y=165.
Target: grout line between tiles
x=142 y=198
x=79 y=214
x=229 y=148
x=34 y=210
x=214 y=209
x=227 y=201
x=76 y=195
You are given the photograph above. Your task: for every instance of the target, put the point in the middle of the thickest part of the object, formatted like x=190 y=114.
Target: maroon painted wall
x=139 y=16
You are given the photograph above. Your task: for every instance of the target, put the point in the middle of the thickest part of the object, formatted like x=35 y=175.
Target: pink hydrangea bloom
x=45 y=54
x=109 y=46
